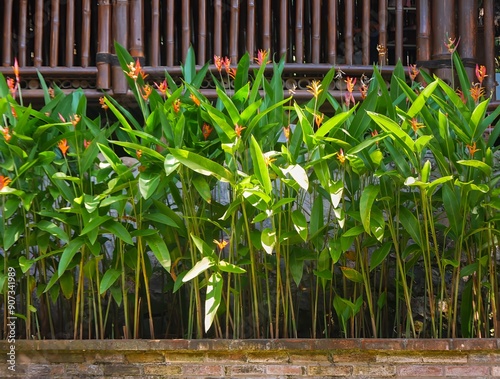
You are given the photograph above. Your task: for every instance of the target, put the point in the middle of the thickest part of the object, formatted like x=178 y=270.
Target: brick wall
x=291 y=358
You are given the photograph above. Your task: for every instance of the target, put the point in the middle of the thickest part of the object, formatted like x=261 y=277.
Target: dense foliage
x=253 y=216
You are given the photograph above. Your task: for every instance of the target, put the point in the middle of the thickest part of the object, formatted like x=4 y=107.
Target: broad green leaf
x=119 y=231
x=203 y=188
x=268 y=240
x=334 y=122
x=229 y=267
x=148 y=183
x=25 y=264
x=300 y=223
x=298 y=174
x=67 y=282
x=352 y=274
x=213 y=298
x=159 y=249
x=53 y=229
x=476 y=164
x=69 y=252
x=261 y=170
x=410 y=224
x=379 y=255
x=201 y=266
x=368 y=196
x=109 y=278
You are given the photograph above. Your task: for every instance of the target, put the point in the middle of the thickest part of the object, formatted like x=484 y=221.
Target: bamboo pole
x=218 y=27
x=23 y=16
x=38 y=33
x=349 y=27
x=7 y=33
x=186 y=28
x=332 y=31
x=136 y=29
x=365 y=31
x=54 y=33
x=70 y=33
x=155 y=33
x=399 y=31
x=443 y=29
x=489 y=57
x=251 y=27
x=86 y=13
x=382 y=38
x=299 y=32
x=234 y=34
x=467 y=29
x=316 y=31
x=170 y=42
x=120 y=35
x=284 y=29
x=103 y=44
x=202 y=32
x=423 y=31
x=266 y=24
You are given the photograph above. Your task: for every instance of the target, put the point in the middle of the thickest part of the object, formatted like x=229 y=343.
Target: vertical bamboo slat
x=316 y=30
x=54 y=33
x=103 y=48
x=85 y=33
x=7 y=33
x=399 y=30
x=186 y=28
x=23 y=16
x=120 y=34
x=349 y=27
x=70 y=32
x=38 y=33
x=251 y=27
x=382 y=21
x=299 y=31
x=332 y=31
x=283 y=28
x=235 y=27
x=266 y=25
x=155 y=33
x=467 y=29
x=218 y=27
x=170 y=42
x=489 y=56
x=365 y=31
x=423 y=31
x=202 y=33
x=136 y=28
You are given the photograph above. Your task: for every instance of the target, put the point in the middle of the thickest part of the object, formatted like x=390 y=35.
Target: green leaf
x=25 y=264
x=352 y=274
x=119 y=231
x=202 y=165
x=368 y=196
x=260 y=168
x=300 y=223
x=229 y=267
x=334 y=122
x=67 y=283
x=148 y=183
x=53 y=229
x=201 y=266
x=379 y=255
x=268 y=240
x=213 y=298
x=476 y=164
x=203 y=188
x=108 y=279
x=410 y=224
x=159 y=249
x=69 y=252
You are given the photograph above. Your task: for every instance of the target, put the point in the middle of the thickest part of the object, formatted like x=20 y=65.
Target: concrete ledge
x=279 y=358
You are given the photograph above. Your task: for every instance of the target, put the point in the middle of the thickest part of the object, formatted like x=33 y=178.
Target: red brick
x=427 y=344
x=374 y=370
x=495 y=371
x=267 y=357
x=337 y=344
x=285 y=370
x=309 y=356
x=353 y=357
x=203 y=370
x=467 y=371
x=382 y=344
x=475 y=344
x=457 y=357
x=247 y=369
x=420 y=370
x=162 y=369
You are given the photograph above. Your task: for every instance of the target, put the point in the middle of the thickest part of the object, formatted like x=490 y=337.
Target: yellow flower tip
x=340 y=156
x=314 y=88
x=415 y=125
x=196 y=101
x=261 y=57
x=472 y=149
x=238 y=129
x=221 y=244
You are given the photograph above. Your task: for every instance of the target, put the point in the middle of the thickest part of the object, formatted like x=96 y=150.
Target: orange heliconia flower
x=135 y=70
x=11 y=83
x=350 y=82
x=63 y=146
x=6 y=134
x=476 y=92
x=138 y=154
x=102 y=102
x=75 y=119
x=13 y=110
x=314 y=88
x=286 y=132
x=227 y=64
x=363 y=89
x=206 y=130
x=450 y=44
x=415 y=125
x=232 y=72
x=52 y=93
x=472 y=149
x=221 y=244
x=462 y=96
x=318 y=119
x=238 y=129
x=147 y=89
x=86 y=143
x=196 y=101
x=341 y=156
x=162 y=87
x=261 y=57
x=4 y=181
x=177 y=105
x=218 y=63
x=480 y=73
x=413 y=71
x=16 y=70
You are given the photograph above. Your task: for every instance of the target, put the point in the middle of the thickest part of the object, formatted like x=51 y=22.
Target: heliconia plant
x=254 y=215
